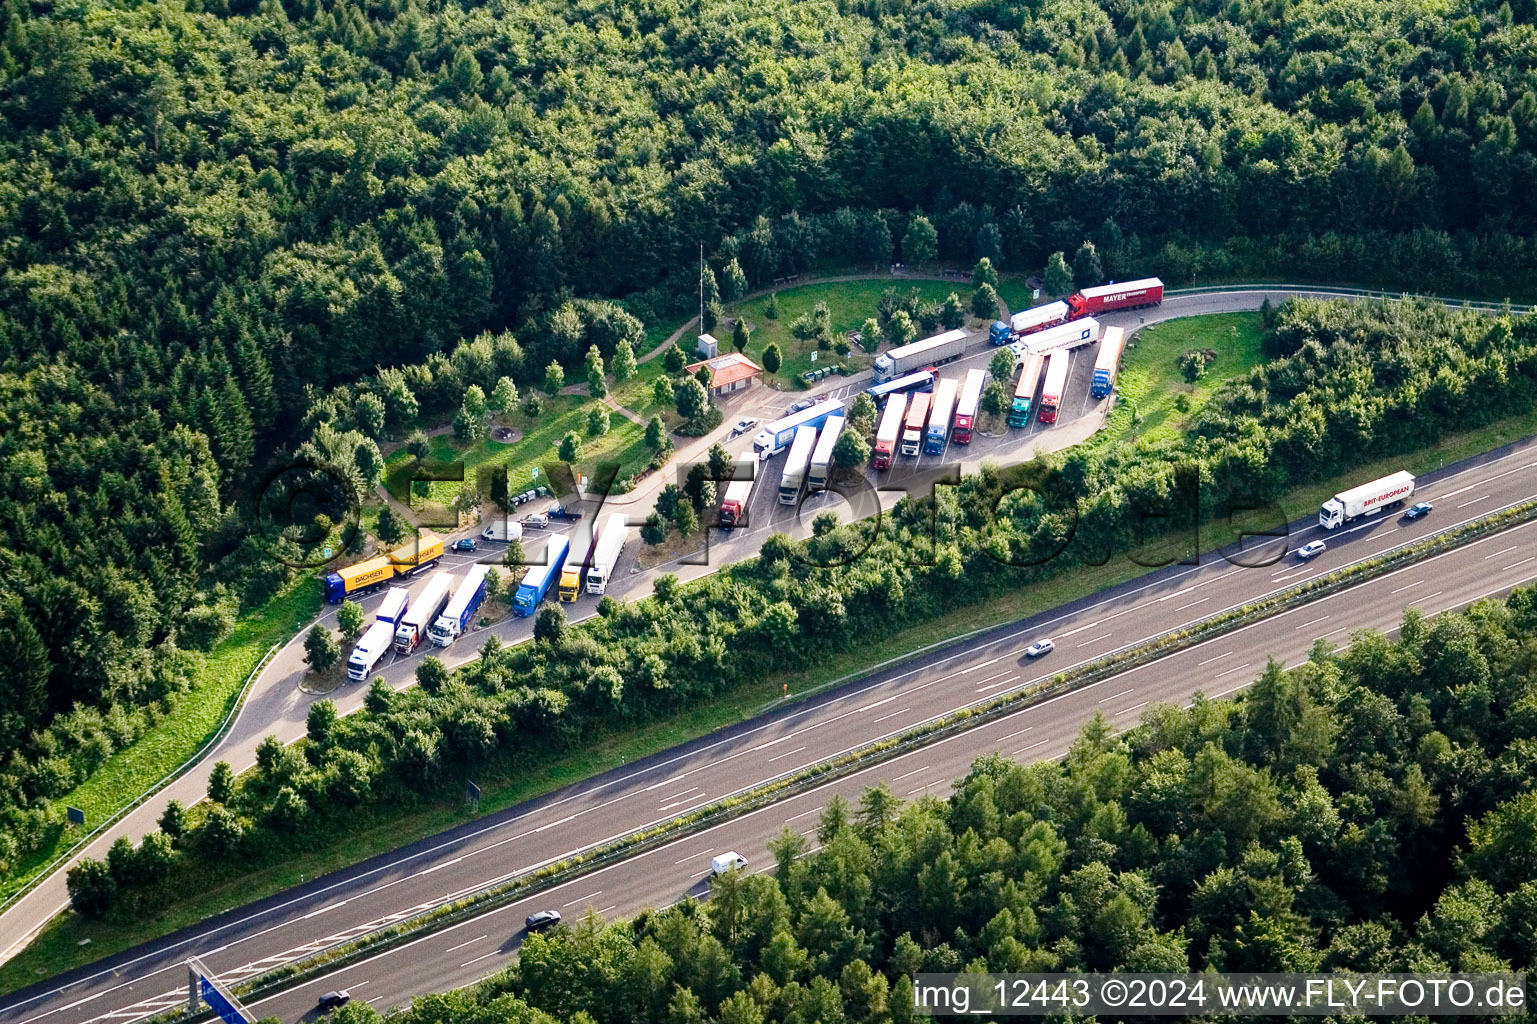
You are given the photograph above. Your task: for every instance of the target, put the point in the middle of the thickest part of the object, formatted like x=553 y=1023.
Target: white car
x=1312 y=549
x=1040 y=647
x=728 y=861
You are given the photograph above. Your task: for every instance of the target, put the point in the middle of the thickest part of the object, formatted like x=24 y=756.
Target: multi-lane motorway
x=248 y=941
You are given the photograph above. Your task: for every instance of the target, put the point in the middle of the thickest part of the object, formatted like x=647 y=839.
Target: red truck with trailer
x=1106 y=298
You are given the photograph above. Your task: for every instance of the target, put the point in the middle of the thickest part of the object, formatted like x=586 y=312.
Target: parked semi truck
x=821 y=471
x=394 y=605
x=414 y=556
x=371 y=647
x=605 y=554
x=744 y=475
x=966 y=406
x=1077 y=334
x=912 y=428
x=922 y=380
x=466 y=599
x=1106 y=298
x=796 y=464
x=941 y=348
x=1056 y=383
x=411 y=630
x=536 y=583
x=1108 y=363
x=889 y=431
x=1027 y=322
x=1368 y=499
x=578 y=557
x=939 y=416
x=1024 y=390
x=776 y=437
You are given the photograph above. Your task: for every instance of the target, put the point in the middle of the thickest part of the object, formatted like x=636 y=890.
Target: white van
x=729 y=861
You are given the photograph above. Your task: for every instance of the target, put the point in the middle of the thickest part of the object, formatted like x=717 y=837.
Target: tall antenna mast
x=701 y=286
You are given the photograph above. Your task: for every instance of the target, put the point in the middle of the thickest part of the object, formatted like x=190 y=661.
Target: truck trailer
x=821 y=472
x=939 y=416
x=776 y=437
x=1106 y=298
x=1057 y=364
x=1108 y=363
x=537 y=581
x=1024 y=390
x=455 y=620
x=1368 y=499
x=912 y=428
x=967 y=405
x=744 y=476
x=796 y=464
x=941 y=348
x=371 y=647
x=605 y=554
x=394 y=605
x=889 y=431
x=1027 y=322
x=922 y=380
x=1076 y=334
x=416 y=555
x=411 y=630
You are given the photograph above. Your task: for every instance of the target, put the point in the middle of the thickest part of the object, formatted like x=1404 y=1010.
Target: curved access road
x=247 y=941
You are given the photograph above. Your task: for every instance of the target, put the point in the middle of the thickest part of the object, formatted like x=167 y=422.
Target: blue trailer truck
x=540 y=578
x=455 y=619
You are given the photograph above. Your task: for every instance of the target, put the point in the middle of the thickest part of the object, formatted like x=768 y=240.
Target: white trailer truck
x=396 y=601
x=941 y=348
x=606 y=554
x=796 y=464
x=1368 y=499
x=424 y=611
x=822 y=455
x=371 y=647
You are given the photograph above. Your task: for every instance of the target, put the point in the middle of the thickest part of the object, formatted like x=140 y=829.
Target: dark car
x=464 y=544
x=804 y=403
x=1418 y=511
x=331 y=1000
x=542 y=921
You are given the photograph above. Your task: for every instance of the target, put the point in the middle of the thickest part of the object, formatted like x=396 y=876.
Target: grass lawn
x=1150 y=381
x=195 y=717
x=849 y=302
x=521 y=778
x=625 y=443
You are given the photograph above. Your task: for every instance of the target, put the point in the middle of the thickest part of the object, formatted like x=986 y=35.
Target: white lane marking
x=1219 y=657
x=915 y=771
x=1032 y=746
x=478 y=959
x=580 y=899
x=787 y=753
x=1473 y=501
x=1017 y=732
x=1134 y=707
x=701 y=853
x=1512 y=565
x=1113 y=696
x=1502 y=551
x=466 y=942
x=894 y=714
x=1311 y=622
x=1406 y=586
x=1095 y=640
x=802 y=814
x=1230 y=671
x=1192 y=604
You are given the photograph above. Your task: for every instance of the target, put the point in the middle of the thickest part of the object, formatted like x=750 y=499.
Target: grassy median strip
x=858 y=760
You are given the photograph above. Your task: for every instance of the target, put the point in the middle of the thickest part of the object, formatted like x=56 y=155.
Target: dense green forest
x=1370 y=810
x=1350 y=382
x=213 y=211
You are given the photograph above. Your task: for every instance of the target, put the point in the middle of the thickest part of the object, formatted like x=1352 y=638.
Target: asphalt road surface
x=250 y=940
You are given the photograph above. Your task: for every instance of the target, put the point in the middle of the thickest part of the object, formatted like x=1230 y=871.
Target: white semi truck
x=605 y=555
x=796 y=464
x=821 y=472
x=371 y=647
x=424 y=611
x=1368 y=499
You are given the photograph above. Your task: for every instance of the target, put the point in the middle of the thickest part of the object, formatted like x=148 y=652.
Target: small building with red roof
x=730 y=372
